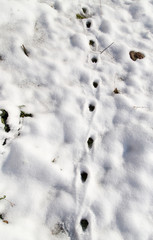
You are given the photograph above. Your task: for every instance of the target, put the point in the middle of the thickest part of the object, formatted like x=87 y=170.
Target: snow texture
x=77 y=163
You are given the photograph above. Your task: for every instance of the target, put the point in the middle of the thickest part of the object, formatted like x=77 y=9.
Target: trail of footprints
x=84 y=222
x=84 y=175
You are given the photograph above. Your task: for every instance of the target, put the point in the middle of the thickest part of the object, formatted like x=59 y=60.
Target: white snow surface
x=42 y=157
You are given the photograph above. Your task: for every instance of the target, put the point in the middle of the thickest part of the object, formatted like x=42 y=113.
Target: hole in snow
x=90 y=142
x=95 y=84
x=91 y=108
x=84 y=10
x=94 y=59
x=92 y=43
x=84 y=224
x=88 y=24
x=84 y=176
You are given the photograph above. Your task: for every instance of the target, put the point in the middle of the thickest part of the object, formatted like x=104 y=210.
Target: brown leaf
x=5 y=221
x=136 y=55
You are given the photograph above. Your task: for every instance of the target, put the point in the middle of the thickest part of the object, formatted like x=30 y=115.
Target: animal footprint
x=92 y=44
x=84 y=176
x=84 y=224
x=95 y=84
x=90 y=142
x=85 y=10
x=91 y=107
x=94 y=59
x=88 y=24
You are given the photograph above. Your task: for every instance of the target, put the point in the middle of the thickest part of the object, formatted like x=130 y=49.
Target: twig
x=106 y=48
x=140 y=107
x=26 y=52
x=12 y=204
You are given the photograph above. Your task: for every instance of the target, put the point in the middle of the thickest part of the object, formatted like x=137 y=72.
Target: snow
x=77 y=122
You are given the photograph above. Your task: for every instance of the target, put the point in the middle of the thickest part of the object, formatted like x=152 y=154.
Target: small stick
x=107 y=47
x=26 y=52
x=139 y=107
x=12 y=204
